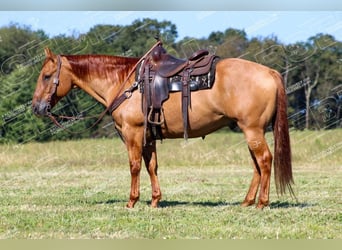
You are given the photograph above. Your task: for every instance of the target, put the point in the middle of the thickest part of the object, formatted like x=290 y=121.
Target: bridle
x=126 y=94
x=52 y=116
x=116 y=102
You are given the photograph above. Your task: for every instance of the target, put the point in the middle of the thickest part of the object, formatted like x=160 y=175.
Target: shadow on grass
x=286 y=204
x=111 y=201
x=174 y=203
x=273 y=205
x=166 y=203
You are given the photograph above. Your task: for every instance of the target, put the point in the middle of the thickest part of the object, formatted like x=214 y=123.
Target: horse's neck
x=102 y=77
x=99 y=88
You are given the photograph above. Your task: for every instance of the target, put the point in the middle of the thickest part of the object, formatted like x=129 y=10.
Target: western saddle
x=161 y=73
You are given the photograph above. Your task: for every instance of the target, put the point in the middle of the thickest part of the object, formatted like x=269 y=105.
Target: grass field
x=79 y=189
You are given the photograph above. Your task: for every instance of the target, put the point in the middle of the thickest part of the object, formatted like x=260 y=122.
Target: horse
x=247 y=94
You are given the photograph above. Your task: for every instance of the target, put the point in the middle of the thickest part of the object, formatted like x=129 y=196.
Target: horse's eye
x=46 y=77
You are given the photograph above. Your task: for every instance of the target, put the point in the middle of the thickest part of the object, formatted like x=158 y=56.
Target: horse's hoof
x=130 y=204
x=154 y=204
x=262 y=205
x=247 y=203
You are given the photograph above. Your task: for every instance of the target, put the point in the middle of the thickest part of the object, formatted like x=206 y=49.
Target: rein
x=117 y=101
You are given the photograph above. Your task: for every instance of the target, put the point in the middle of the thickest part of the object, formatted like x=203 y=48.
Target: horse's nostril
x=47 y=109
x=35 y=109
x=41 y=108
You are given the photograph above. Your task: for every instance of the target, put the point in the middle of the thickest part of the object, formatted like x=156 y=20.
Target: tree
x=234 y=44
x=16 y=45
x=321 y=68
x=131 y=40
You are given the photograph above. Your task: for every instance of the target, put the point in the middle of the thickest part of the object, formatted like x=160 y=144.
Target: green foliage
x=132 y=40
x=317 y=60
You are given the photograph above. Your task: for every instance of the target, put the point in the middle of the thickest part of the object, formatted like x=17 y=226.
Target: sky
x=288 y=26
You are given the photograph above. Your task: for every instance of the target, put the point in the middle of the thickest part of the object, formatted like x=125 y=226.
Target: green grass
x=79 y=189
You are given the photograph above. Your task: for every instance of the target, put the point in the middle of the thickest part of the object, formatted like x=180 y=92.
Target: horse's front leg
x=134 y=147
x=150 y=158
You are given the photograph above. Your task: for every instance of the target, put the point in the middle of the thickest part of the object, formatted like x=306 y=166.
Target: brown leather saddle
x=163 y=73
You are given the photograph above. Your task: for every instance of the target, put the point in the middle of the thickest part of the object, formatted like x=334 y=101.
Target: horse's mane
x=101 y=66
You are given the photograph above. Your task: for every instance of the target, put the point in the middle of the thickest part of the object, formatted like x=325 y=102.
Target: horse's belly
x=199 y=125
x=203 y=116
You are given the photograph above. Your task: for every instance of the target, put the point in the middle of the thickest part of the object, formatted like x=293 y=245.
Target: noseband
x=55 y=83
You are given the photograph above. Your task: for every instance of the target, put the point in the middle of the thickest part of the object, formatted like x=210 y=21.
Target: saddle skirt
x=162 y=73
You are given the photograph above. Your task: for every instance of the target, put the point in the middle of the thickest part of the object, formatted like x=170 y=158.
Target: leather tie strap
x=185 y=101
x=146 y=98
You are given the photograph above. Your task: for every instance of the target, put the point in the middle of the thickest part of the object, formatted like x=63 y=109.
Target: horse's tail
x=282 y=148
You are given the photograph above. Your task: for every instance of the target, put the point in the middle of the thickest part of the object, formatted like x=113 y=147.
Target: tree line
x=312 y=72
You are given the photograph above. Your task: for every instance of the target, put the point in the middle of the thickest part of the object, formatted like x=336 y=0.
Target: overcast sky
x=288 y=26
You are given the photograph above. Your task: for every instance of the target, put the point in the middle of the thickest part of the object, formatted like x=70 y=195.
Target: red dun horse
x=244 y=93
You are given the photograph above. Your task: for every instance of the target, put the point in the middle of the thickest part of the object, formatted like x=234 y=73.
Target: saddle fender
x=159 y=91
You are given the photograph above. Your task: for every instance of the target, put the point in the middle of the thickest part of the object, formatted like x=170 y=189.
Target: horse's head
x=53 y=83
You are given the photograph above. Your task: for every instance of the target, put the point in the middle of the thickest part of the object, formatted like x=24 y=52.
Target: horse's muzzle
x=41 y=108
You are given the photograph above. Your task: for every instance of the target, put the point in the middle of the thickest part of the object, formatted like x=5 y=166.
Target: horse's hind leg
x=262 y=159
x=254 y=186
x=150 y=158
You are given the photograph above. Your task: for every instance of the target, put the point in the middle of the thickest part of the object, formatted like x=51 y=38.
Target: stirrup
x=154 y=122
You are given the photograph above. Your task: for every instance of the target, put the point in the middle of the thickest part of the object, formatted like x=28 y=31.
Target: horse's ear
x=48 y=53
